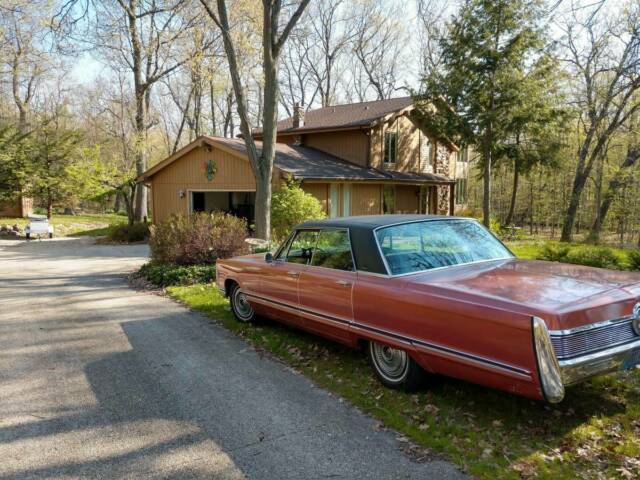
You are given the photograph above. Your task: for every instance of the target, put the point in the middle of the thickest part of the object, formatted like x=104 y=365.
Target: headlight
x=548 y=367
x=636 y=320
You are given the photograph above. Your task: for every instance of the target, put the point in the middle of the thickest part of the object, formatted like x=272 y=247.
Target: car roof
x=361 y=228
x=370 y=221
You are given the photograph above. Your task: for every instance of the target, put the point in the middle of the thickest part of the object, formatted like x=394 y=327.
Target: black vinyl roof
x=361 y=230
x=369 y=221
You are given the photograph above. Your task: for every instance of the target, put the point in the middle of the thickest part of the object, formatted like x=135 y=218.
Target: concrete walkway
x=100 y=381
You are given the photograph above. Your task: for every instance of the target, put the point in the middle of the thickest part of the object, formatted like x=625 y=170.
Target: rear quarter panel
x=449 y=333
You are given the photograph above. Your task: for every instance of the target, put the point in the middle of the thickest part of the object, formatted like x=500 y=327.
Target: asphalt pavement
x=101 y=381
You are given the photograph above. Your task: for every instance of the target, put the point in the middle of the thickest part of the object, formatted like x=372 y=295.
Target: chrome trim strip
x=593 y=326
x=457 y=219
x=414 y=341
x=485 y=363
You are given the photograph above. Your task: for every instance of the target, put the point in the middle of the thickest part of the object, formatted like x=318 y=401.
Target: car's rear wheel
x=240 y=305
x=394 y=367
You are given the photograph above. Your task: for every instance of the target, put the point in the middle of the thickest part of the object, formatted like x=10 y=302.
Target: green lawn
x=75 y=225
x=594 y=433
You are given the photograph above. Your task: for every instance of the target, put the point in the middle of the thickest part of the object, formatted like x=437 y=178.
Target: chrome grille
x=574 y=344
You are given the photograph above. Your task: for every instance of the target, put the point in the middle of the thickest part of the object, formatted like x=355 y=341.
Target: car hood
x=568 y=295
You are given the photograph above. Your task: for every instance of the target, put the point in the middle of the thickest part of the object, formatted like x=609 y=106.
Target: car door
x=325 y=287
x=279 y=283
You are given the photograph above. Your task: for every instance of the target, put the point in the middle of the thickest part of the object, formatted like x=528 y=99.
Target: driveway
x=100 y=381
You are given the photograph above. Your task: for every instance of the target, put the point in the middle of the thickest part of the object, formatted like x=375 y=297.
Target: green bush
x=634 y=259
x=197 y=239
x=554 y=252
x=291 y=205
x=125 y=233
x=165 y=275
x=589 y=255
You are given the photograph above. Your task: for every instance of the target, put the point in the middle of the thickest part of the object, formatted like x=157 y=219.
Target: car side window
x=333 y=250
x=302 y=247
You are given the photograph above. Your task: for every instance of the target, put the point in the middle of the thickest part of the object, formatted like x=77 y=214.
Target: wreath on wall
x=210 y=169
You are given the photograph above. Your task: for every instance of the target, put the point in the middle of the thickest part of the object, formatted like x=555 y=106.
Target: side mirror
x=268 y=257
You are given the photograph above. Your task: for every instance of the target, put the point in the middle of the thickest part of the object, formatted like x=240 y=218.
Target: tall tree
x=143 y=37
x=273 y=39
x=602 y=52
x=23 y=51
x=535 y=125
x=378 y=45
x=484 y=56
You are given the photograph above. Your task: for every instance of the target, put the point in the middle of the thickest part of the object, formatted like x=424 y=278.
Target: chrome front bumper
x=555 y=375
x=609 y=360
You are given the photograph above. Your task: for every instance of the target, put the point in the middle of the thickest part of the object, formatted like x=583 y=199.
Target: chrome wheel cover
x=392 y=364
x=241 y=305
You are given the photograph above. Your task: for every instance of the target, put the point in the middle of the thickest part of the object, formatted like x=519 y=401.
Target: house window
x=346 y=199
x=390 y=143
x=462 y=155
x=461 y=191
x=425 y=193
x=388 y=199
x=426 y=152
x=334 y=200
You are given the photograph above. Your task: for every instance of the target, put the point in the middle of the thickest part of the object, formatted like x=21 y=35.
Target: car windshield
x=418 y=246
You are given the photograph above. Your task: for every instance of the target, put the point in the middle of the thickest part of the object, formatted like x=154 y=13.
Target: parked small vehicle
x=38 y=225
x=443 y=295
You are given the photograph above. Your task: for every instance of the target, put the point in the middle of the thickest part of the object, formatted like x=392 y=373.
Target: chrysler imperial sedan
x=429 y=294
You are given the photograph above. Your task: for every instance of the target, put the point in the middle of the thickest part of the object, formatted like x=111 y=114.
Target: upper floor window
x=463 y=154
x=390 y=144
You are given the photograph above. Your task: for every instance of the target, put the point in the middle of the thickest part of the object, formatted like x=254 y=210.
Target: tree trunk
x=633 y=154
x=514 y=193
x=574 y=203
x=140 y=208
x=49 y=207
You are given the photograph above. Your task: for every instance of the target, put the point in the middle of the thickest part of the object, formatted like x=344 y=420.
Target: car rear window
x=419 y=246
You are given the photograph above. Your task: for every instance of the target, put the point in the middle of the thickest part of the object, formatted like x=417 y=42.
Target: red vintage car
x=443 y=295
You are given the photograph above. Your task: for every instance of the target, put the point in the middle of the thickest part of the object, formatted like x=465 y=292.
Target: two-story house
x=356 y=159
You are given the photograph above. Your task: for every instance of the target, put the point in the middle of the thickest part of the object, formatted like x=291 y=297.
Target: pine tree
x=489 y=56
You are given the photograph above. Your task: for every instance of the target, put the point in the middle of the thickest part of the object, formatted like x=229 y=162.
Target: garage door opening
x=240 y=204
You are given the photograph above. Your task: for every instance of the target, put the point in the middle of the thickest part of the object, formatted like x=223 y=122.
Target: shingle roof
x=344 y=116
x=311 y=164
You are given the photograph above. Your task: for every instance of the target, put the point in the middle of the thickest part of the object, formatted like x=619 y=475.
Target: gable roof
x=339 y=117
x=305 y=163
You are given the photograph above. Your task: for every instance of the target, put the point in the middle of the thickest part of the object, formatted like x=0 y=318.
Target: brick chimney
x=298 y=115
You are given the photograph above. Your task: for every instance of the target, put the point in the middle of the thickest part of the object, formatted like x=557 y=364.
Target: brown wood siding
x=366 y=199
x=188 y=173
x=407 y=199
x=320 y=191
x=20 y=207
x=351 y=145
x=408 y=156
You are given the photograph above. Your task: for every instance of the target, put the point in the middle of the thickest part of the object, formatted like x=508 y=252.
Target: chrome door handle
x=294 y=274
x=344 y=283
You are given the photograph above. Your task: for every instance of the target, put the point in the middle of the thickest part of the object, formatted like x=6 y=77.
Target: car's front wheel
x=240 y=305
x=394 y=367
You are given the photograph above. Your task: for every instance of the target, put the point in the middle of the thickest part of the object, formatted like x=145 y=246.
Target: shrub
x=200 y=238
x=589 y=255
x=291 y=205
x=554 y=252
x=165 y=275
x=634 y=259
x=592 y=256
x=125 y=233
